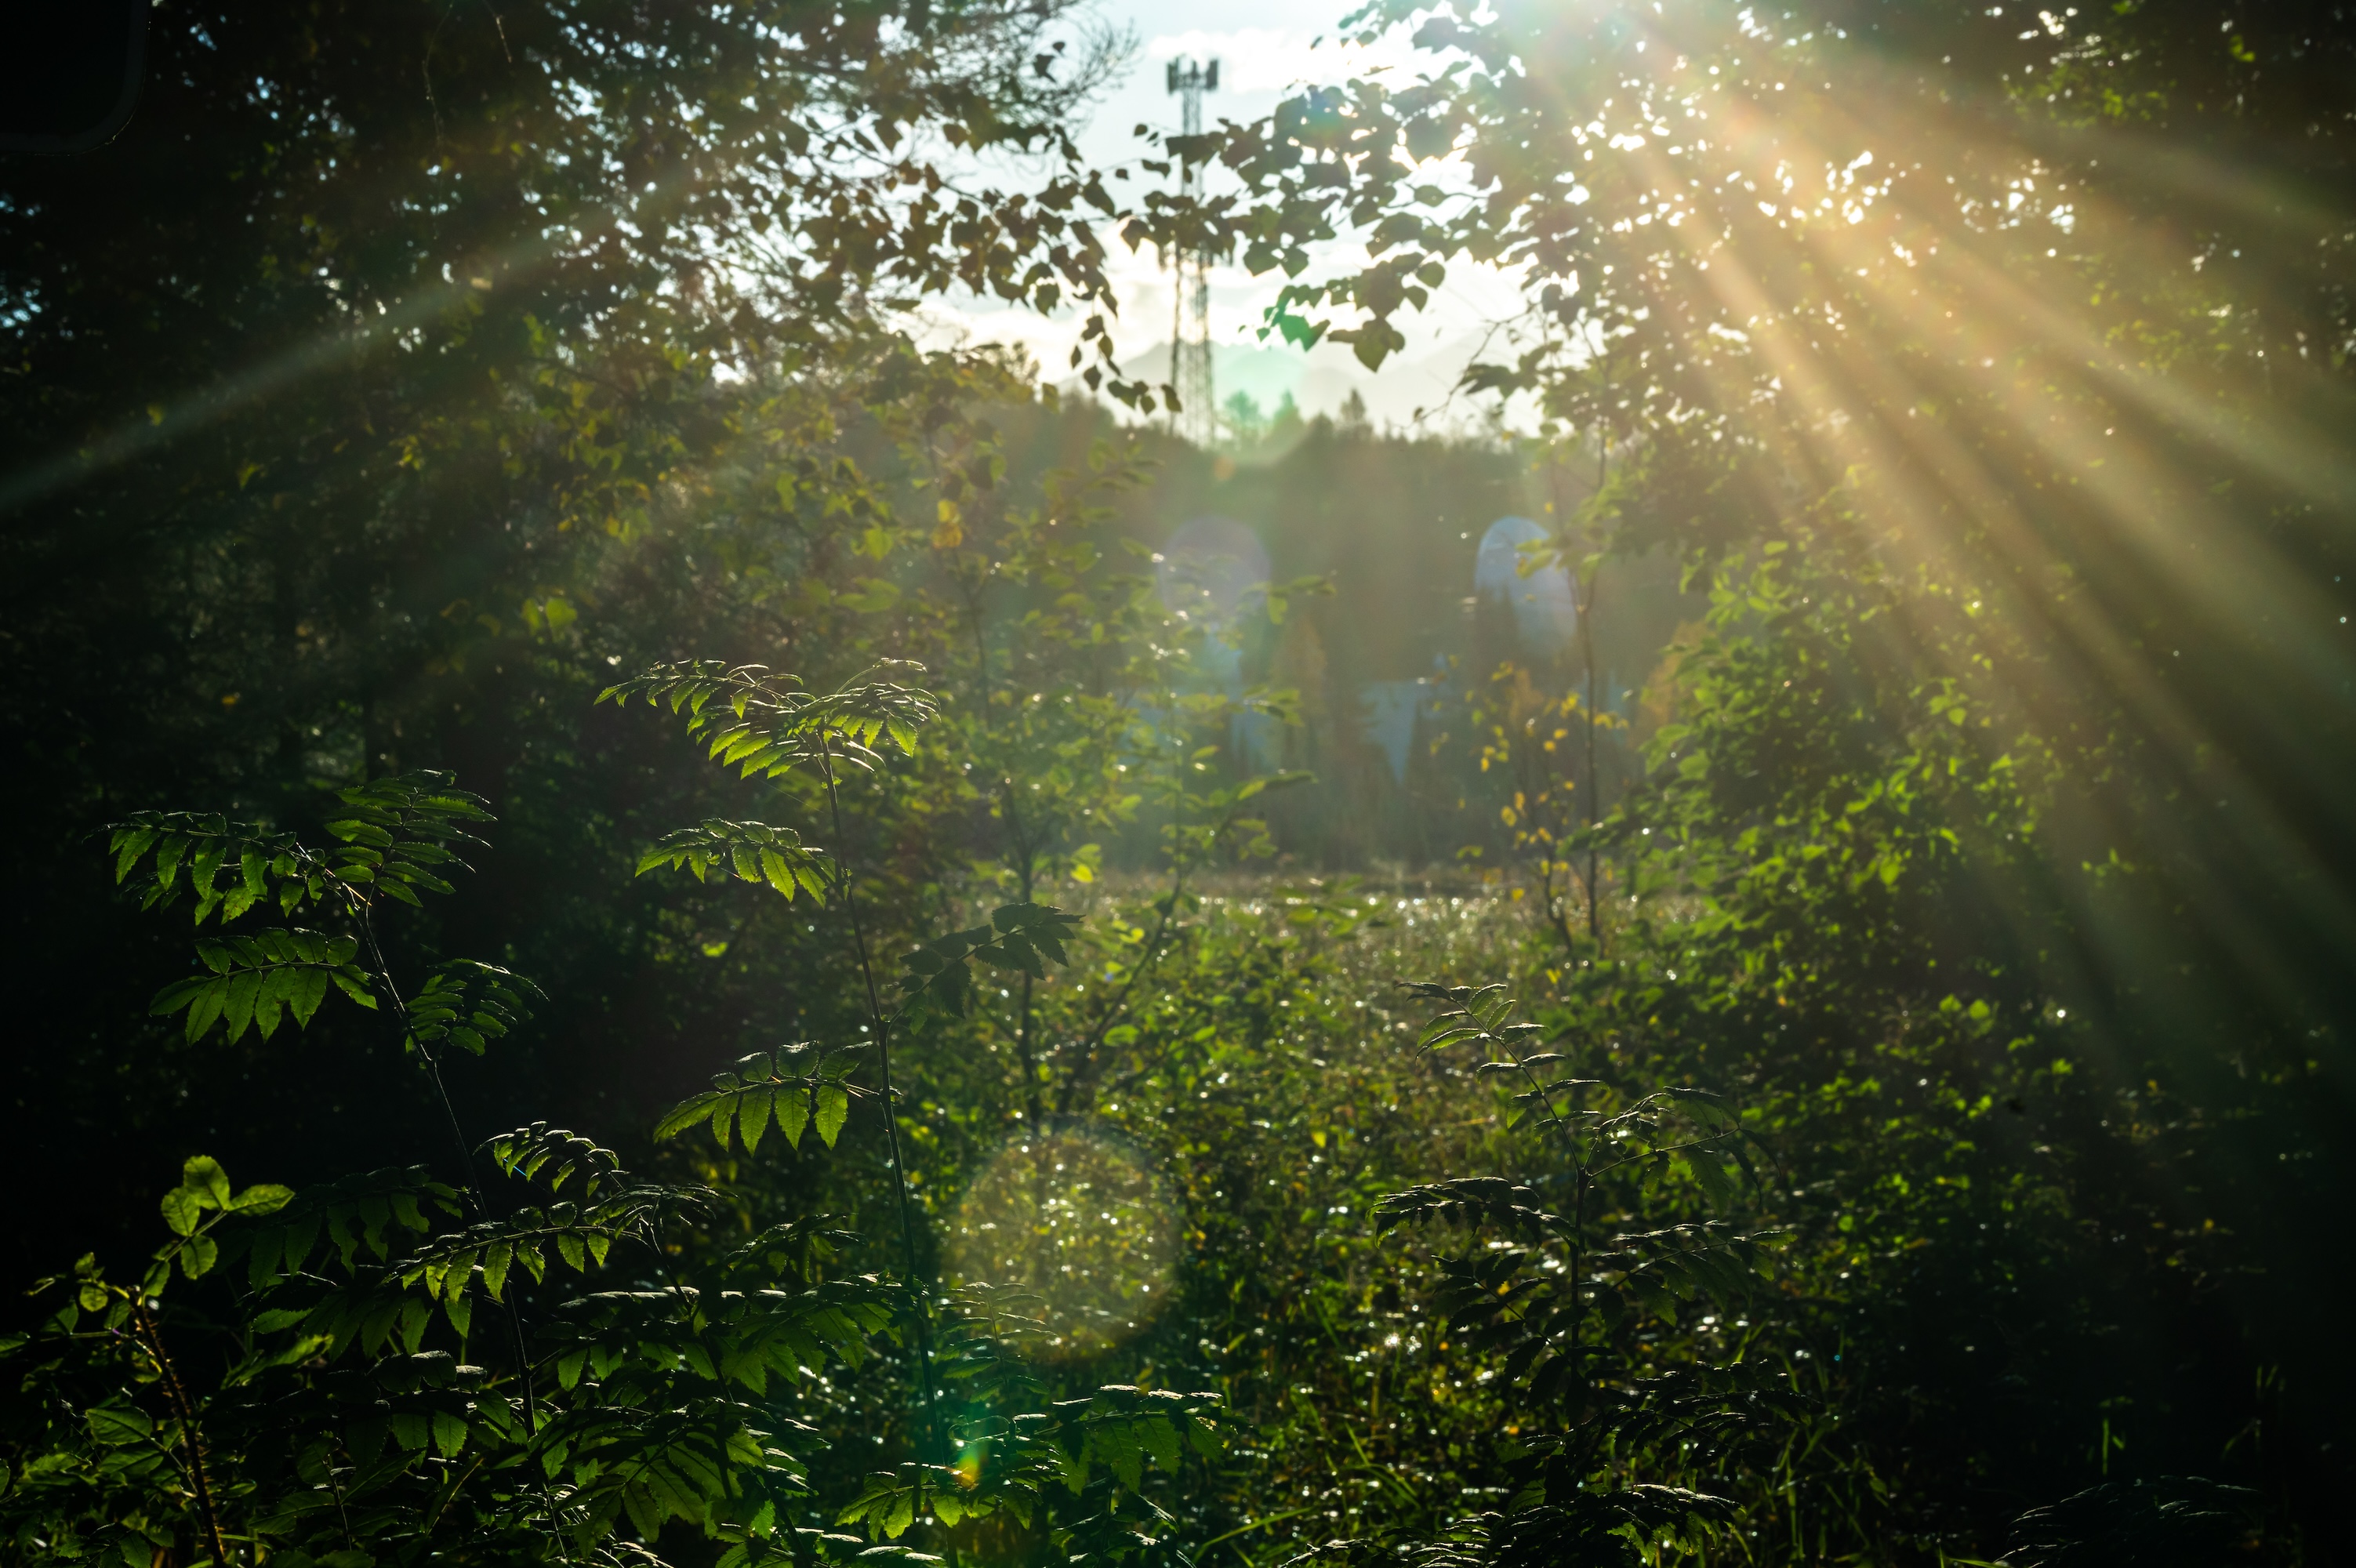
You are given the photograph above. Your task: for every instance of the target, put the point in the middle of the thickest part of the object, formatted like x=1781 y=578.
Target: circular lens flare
x=1076 y=1223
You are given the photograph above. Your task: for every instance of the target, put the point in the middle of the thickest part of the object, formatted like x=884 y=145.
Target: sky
x=1265 y=48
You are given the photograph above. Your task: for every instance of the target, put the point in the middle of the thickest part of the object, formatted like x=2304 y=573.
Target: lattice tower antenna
x=1196 y=416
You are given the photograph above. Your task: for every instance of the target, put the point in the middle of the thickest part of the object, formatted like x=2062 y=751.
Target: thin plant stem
x=151 y=1338
x=327 y=1466
x=1587 y=655
x=844 y=885
x=1145 y=962
x=1152 y=953
x=365 y=917
x=1024 y=1051
x=1026 y=857
x=514 y=1313
x=1033 y=1108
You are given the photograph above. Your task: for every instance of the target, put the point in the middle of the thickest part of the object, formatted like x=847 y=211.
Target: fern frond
x=691 y=686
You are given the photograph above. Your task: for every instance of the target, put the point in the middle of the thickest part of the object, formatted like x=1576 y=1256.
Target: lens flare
x=1078 y=1222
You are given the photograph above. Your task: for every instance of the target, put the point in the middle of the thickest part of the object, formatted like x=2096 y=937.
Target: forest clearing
x=1563 y=783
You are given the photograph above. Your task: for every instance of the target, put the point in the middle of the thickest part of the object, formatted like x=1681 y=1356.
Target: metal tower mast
x=1196 y=418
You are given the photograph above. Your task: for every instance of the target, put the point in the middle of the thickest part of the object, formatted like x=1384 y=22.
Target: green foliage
x=2168 y=1520
x=208 y=844
x=392 y=834
x=355 y=1415
x=467 y=1003
x=253 y=978
x=394 y=831
x=1988 y=854
x=763 y=1086
x=1023 y=938
x=760 y=722
x=1123 y=1428
x=754 y=851
x=1565 y=1311
x=192 y=1211
x=363 y=1214
x=529 y=1150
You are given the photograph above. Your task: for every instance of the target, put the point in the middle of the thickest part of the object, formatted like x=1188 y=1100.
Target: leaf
x=182 y=1211
x=1115 y=1442
x=261 y=1199
x=1160 y=1438
x=199 y=1255
x=131 y=843
x=1711 y=1174
x=833 y=1109
x=116 y=1426
x=202 y=1174
x=792 y=1109
x=752 y=1117
x=496 y=1259
x=300 y=1236
x=178 y=994
x=416 y=1317
x=261 y=1261
x=310 y=988
x=688 y=1113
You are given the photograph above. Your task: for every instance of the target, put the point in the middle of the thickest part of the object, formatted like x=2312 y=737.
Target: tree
x=1243 y=419
x=1985 y=314
x=1812 y=266
x=414 y=367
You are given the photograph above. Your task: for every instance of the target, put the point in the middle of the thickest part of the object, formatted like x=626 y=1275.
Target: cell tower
x=1196 y=418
